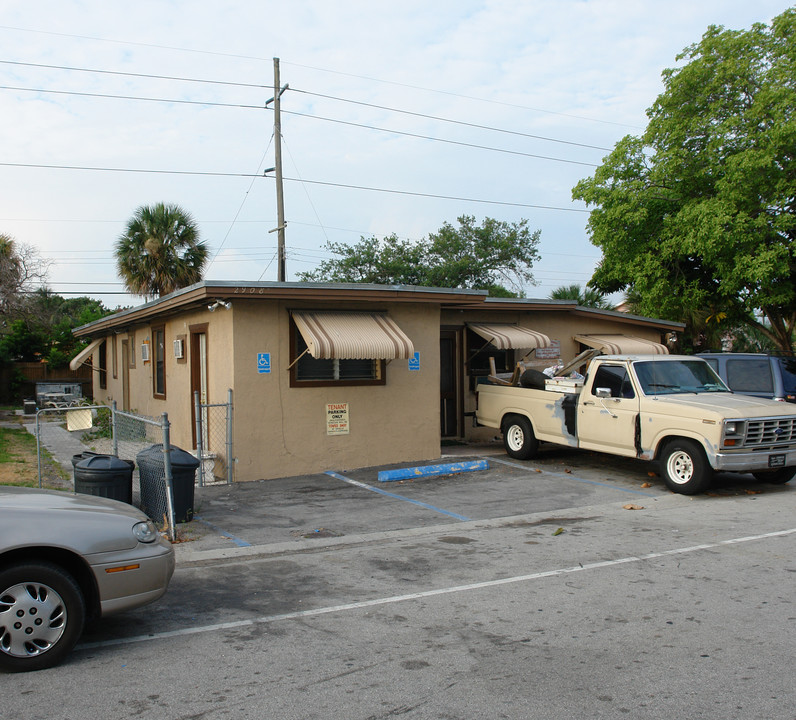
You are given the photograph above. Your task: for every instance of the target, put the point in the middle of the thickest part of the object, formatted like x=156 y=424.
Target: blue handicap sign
x=414 y=361
x=263 y=362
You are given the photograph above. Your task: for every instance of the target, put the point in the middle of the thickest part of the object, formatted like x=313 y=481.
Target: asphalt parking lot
x=338 y=506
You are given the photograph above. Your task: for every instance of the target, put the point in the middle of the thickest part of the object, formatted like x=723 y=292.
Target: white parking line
x=427 y=593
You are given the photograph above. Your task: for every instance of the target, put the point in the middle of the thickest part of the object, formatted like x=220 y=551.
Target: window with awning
x=622 y=345
x=345 y=347
x=510 y=337
x=84 y=354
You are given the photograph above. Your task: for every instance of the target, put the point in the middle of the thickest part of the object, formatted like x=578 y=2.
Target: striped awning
x=622 y=345
x=511 y=337
x=353 y=335
x=84 y=354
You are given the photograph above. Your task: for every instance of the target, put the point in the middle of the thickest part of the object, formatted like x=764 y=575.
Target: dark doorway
x=449 y=384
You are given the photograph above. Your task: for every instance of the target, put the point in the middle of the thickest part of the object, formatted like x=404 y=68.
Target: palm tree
x=160 y=251
x=585 y=297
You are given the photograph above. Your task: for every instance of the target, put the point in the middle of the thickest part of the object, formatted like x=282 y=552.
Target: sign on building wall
x=337 y=419
x=263 y=363
x=414 y=362
x=549 y=353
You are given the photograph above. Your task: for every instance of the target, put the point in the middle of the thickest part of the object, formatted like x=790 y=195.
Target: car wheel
x=685 y=467
x=776 y=477
x=42 y=613
x=518 y=438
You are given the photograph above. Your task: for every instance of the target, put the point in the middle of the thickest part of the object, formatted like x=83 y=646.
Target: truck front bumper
x=757 y=461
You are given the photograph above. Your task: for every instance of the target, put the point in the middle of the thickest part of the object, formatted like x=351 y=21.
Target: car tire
x=518 y=438
x=776 y=477
x=42 y=613
x=685 y=468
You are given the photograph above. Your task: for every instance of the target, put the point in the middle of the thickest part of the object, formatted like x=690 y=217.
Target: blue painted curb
x=424 y=471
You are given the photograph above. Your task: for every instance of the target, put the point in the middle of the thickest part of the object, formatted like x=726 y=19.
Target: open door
x=198 y=345
x=450 y=384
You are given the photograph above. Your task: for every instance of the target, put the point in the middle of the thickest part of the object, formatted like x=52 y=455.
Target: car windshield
x=666 y=377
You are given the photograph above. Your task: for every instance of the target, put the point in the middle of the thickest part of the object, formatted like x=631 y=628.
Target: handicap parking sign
x=414 y=361
x=263 y=363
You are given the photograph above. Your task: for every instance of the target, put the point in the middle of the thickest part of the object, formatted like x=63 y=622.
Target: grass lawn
x=18 y=462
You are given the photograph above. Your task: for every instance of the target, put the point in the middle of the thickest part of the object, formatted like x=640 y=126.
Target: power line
x=449 y=120
x=407 y=193
x=137 y=75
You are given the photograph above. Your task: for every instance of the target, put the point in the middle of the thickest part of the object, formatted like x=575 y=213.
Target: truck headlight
x=733 y=432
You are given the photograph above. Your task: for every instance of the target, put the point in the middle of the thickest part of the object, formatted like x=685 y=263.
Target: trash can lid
x=177 y=456
x=104 y=462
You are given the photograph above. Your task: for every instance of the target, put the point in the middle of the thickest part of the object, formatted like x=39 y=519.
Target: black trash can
x=104 y=475
x=151 y=473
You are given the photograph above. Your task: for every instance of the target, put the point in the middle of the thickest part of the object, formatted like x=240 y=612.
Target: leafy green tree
x=698 y=214
x=160 y=251
x=585 y=297
x=489 y=256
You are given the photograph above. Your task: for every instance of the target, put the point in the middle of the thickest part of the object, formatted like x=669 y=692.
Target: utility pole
x=280 y=202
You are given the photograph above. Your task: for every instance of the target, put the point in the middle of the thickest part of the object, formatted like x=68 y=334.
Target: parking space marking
x=569 y=476
x=299 y=614
x=365 y=486
x=236 y=540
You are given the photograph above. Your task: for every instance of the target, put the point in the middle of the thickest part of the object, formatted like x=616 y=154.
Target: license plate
x=776 y=461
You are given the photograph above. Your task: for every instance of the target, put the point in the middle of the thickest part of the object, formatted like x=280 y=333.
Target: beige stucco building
x=332 y=377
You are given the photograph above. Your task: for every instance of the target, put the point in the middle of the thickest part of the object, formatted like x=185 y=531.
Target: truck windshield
x=666 y=377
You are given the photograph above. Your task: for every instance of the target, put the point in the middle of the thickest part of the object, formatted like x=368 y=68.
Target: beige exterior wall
x=282 y=431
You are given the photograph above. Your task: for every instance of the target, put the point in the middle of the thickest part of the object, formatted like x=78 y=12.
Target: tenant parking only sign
x=337 y=419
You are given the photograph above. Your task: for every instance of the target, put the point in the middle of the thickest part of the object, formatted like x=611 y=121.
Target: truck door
x=608 y=424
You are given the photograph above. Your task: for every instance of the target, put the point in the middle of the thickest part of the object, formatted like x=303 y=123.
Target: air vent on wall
x=145 y=351
x=179 y=348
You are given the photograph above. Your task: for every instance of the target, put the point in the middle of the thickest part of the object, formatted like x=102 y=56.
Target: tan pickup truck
x=668 y=408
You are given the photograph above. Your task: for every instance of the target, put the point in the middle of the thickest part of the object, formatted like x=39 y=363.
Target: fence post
x=168 y=477
x=230 y=459
x=114 y=435
x=198 y=429
x=38 y=444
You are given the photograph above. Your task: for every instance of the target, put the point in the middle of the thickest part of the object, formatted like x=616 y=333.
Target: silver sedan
x=65 y=559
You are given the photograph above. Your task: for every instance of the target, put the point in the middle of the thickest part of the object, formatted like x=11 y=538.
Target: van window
x=750 y=375
x=788 y=365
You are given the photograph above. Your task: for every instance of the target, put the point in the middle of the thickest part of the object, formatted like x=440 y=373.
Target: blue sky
x=504 y=107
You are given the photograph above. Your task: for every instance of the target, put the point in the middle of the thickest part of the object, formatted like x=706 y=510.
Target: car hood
x=730 y=405
x=80 y=522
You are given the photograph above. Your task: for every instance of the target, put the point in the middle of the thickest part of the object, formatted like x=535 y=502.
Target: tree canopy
x=21 y=269
x=698 y=213
x=160 y=251
x=495 y=256
x=585 y=297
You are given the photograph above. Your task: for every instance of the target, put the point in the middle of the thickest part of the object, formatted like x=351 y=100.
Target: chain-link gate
x=64 y=436
x=214 y=440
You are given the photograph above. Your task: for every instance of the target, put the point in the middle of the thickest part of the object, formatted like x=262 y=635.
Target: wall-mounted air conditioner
x=145 y=351
x=179 y=348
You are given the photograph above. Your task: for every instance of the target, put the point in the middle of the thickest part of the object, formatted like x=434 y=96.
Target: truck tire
x=776 y=477
x=518 y=438
x=684 y=467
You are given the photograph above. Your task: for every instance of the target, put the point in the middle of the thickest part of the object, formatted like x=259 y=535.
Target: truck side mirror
x=602 y=392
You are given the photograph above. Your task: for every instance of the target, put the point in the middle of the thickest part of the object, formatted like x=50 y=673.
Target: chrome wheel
x=32 y=619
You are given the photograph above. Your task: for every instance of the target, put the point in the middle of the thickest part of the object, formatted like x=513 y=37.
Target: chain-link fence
x=67 y=436
x=214 y=440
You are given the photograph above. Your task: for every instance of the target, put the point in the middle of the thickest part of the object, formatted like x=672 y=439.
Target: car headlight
x=145 y=531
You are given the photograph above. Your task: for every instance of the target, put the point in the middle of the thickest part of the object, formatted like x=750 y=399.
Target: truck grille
x=773 y=431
